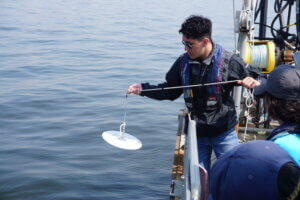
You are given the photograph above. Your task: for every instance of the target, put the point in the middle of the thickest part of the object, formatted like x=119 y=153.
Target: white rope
x=259 y=55
x=249 y=102
x=123 y=124
x=249 y=97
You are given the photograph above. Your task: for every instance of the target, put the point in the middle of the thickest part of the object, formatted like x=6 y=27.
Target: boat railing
x=191 y=184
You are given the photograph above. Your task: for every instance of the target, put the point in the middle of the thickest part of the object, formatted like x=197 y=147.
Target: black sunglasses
x=187 y=44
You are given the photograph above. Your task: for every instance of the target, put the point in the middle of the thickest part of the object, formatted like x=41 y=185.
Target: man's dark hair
x=196 y=27
x=284 y=110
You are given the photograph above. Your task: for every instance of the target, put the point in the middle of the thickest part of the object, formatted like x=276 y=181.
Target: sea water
x=65 y=66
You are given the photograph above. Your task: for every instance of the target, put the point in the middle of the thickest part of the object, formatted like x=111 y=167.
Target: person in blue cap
x=255 y=170
x=282 y=94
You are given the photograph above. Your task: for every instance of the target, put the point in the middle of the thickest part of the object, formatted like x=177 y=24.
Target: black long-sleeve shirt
x=209 y=122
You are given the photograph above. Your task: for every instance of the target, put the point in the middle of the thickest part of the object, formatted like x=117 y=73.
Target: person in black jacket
x=212 y=107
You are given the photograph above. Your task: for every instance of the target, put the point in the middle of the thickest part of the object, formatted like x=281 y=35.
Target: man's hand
x=249 y=82
x=135 y=89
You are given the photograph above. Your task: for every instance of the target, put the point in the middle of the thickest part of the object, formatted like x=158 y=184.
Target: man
x=211 y=107
x=282 y=94
x=255 y=170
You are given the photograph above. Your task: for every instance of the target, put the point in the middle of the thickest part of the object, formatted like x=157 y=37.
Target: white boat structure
x=189 y=179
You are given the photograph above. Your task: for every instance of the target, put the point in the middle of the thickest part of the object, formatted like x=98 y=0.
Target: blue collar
x=285 y=127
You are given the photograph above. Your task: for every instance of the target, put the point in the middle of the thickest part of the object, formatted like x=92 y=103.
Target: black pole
x=263 y=19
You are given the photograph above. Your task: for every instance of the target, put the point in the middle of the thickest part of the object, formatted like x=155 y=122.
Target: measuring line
x=189 y=86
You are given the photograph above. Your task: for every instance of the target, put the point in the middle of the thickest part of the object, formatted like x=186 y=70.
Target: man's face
x=194 y=47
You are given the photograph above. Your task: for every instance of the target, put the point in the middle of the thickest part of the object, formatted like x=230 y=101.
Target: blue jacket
x=288 y=137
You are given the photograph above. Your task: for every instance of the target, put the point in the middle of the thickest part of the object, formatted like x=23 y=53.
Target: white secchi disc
x=122 y=140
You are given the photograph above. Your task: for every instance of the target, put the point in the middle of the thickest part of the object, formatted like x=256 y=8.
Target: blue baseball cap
x=256 y=170
x=283 y=82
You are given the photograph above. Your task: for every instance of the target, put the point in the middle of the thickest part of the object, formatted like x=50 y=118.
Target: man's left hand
x=249 y=82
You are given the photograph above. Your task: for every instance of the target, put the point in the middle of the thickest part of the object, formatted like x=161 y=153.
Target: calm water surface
x=65 y=67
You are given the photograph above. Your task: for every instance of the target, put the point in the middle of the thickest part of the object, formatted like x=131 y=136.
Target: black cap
x=283 y=83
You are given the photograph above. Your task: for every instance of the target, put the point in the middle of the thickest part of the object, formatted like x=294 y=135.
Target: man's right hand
x=135 y=89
